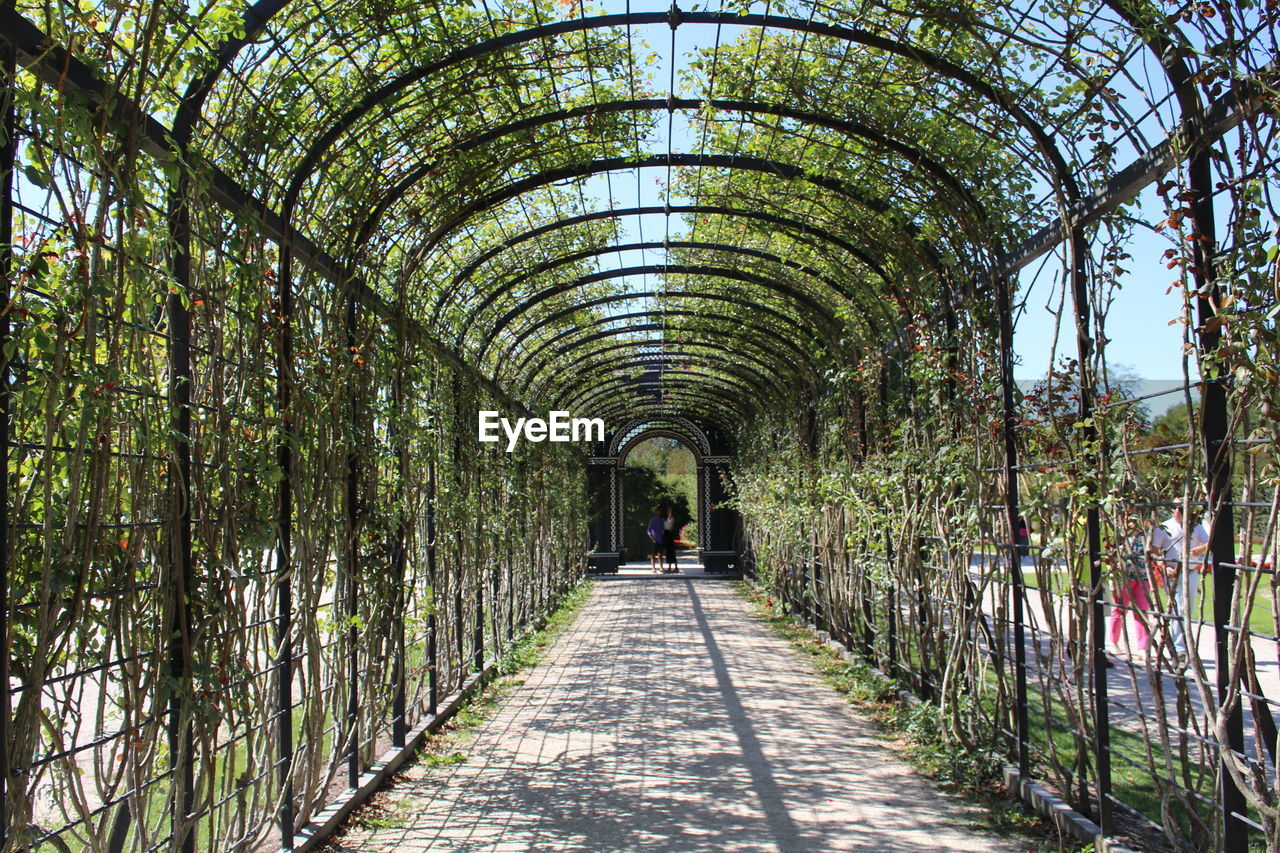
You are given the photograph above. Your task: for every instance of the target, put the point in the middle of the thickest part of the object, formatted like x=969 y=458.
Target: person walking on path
x=1132 y=591
x=669 y=539
x=1167 y=541
x=655 y=530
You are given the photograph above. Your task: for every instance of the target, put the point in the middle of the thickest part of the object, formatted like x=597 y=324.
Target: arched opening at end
x=650 y=463
x=660 y=502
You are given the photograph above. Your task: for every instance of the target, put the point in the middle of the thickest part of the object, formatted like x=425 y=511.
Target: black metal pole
x=1096 y=640
x=477 y=629
x=353 y=548
x=510 y=559
x=459 y=617
x=182 y=583
x=399 y=723
x=891 y=614
x=1009 y=423
x=1214 y=428
x=860 y=403
x=8 y=158
x=868 y=615
x=284 y=551
x=433 y=650
x=495 y=574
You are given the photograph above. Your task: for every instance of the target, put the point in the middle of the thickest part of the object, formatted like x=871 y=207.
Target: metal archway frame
x=879 y=207
x=801 y=355
x=674 y=382
x=826 y=319
x=625 y=438
x=761 y=385
x=719 y=358
x=694 y=433
x=746 y=348
x=486 y=299
x=694 y=209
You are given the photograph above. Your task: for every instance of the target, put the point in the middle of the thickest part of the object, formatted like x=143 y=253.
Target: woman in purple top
x=655 y=535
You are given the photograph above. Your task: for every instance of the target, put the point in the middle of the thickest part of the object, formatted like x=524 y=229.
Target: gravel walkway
x=667 y=718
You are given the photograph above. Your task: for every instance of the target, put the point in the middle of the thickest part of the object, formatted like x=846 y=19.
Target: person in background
x=1132 y=590
x=669 y=538
x=1024 y=538
x=655 y=531
x=1166 y=546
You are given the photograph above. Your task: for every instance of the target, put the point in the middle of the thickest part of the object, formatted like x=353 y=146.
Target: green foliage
x=645 y=491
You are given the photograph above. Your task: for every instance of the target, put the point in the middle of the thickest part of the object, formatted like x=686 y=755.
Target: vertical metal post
x=284 y=550
x=433 y=623
x=459 y=618
x=1009 y=424
x=868 y=615
x=707 y=473
x=8 y=159
x=1096 y=640
x=510 y=559
x=860 y=403
x=891 y=610
x=495 y=574
x=819 y=617
x=399 y=710
x=526 y=599
x=953 y=345
x=891 y=615
x=477 y=632
x=929 y=679
x=1214 y=428
x=615 y=512
x=181 y=733
x=885 y=433
x=353 y=556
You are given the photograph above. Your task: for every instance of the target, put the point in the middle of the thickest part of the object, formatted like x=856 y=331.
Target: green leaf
x=37 y=177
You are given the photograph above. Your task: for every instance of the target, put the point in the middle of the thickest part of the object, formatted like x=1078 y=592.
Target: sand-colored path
x=665 y=719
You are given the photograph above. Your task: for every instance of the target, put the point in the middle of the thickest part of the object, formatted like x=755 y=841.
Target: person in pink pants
x=1132 y=594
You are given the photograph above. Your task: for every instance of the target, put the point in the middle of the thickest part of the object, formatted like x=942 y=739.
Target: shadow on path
x=668 y=719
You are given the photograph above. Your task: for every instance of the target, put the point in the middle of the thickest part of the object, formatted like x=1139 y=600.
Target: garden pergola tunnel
x=266 y=262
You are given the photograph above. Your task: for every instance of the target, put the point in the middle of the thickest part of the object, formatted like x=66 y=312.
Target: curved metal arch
x=674 y=18
x=657 y=432
x=650 y=414
x=658 y=327
x=685 y=379
x=694 y=209
x=853 y=129
x=539 y=323
x=760 y=383
x=729 y=395
x=704 y=444
x=744 y=349
x=739 y=322
x=589 y=400
x=705 y=271
x=881 y=208
x=1061 y=172
x=591 y=361
x=647 y=362
x=487 y=299
x=722 y=397
x=711 y=407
